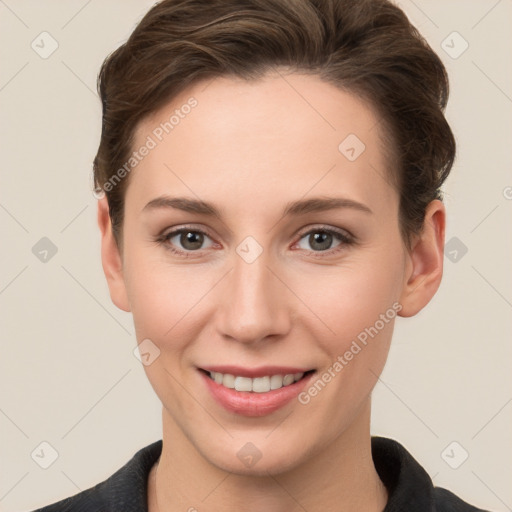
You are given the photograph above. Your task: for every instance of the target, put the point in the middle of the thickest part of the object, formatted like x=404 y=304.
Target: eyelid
x=330 y=229
x=174 y=230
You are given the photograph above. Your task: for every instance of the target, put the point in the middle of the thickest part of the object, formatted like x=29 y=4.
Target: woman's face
x=301 y=269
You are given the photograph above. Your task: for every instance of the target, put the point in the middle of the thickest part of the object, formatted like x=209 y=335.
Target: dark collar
x=410 y=489
x=408 y=484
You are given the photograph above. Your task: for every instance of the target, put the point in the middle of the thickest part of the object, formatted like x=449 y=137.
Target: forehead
x=285 y=133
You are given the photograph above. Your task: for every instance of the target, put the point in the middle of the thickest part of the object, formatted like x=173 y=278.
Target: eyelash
x=344 y=238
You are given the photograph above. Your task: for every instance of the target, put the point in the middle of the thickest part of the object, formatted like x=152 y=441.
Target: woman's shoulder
x=126 y=488
x=409 y=486
x=446 y=501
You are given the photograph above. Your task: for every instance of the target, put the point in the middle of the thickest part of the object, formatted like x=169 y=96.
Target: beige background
x=68 y=373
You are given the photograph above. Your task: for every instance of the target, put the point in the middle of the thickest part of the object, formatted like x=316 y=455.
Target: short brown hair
x=367 y=47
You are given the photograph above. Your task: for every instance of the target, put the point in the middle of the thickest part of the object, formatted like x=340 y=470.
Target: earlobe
x=111 y=258
x=425 y=262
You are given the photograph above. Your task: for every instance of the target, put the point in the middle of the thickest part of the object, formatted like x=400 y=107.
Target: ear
x=424 y=267
x=111 y=258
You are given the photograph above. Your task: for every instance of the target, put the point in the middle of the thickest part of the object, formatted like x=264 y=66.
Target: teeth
x=228 y=380
x=288 y=379
x=257 y=385
x=261 y=384
x=243 y=384
x=276 y=381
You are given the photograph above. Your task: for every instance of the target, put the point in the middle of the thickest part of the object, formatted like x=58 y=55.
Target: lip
x=260 y=371
x=252 y=404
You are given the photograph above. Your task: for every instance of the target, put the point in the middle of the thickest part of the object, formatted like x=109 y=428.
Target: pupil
x=321 y=238
x=191 y=240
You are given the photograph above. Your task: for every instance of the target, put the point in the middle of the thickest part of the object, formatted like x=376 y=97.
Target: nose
x=254 y=305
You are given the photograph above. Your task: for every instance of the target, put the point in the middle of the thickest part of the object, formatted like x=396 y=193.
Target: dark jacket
x=409 y=486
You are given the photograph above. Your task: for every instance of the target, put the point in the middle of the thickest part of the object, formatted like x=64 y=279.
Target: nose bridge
x=255 y=304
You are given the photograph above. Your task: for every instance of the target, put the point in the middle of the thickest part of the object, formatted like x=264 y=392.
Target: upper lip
x=260 y=371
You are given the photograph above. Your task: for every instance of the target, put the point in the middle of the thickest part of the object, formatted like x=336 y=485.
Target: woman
x=271 y=174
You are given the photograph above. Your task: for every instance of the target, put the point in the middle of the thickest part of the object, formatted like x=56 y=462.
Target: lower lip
x=254 y=404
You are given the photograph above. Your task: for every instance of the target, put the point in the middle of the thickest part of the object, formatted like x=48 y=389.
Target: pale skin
x=250 y=149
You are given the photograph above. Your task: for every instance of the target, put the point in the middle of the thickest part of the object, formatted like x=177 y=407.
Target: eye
x=322 y=239
x=184 y=240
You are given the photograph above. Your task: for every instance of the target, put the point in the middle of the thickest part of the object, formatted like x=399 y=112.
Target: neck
x=340 y=477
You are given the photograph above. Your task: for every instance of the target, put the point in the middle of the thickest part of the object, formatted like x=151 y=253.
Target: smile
x=262 y=384
x=256 y=391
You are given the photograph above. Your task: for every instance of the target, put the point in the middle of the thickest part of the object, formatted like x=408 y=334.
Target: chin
x=263 y=458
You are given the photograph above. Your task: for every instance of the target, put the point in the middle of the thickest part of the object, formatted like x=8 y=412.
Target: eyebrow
x=294 y=208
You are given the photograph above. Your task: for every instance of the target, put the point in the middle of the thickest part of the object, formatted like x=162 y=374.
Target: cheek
x=167 y=302
x=165 y=298
x=351 y=297
x=357 y=306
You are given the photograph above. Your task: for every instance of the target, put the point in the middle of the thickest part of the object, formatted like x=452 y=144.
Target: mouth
x=262 y=384
x=254 y=392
